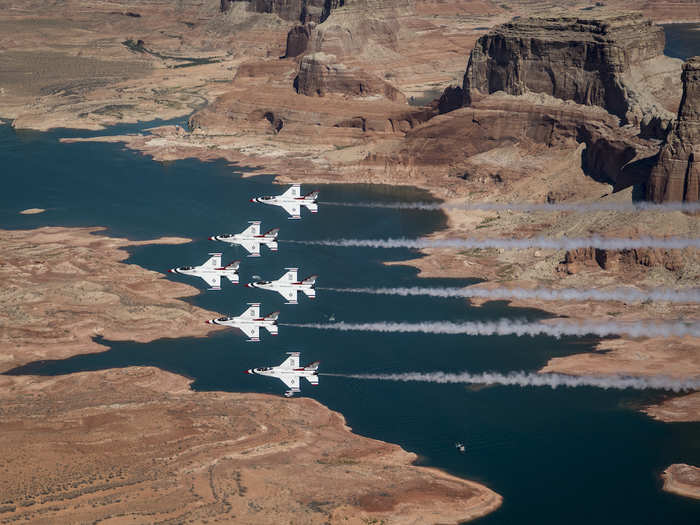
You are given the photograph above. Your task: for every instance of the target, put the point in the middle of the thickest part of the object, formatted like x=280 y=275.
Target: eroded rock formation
x=301 y=10
x=590 y=61
x=676 y=176
x=612 y=260
x=321 y=73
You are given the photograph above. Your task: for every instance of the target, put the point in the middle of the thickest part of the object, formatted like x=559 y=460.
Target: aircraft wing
x=253 y=229
x=251 y=247
x=213 y=262
x=289 y=277
x=251 y=330
x=312 y=379
x=212 y=280
x=292 y=208
x=291 y=381
x=252 y=312
x=290 y=294
x=293 y=192
x=291 y=362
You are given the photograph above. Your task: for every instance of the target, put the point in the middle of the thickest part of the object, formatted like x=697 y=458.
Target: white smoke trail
x=544 y=294
x=528 y=207
x=519 y=328
x=548 y=243
x=525 y=379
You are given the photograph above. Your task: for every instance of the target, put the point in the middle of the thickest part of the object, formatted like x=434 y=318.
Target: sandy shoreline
x=144 y=446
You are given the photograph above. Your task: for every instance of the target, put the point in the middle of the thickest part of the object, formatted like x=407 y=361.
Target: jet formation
x=288 y=286
x=251 y=239
x=292 y=200
x=211 y=271
x=290 y=373
x=250 y=321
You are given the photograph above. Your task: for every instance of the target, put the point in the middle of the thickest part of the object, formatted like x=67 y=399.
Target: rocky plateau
x=474 y=100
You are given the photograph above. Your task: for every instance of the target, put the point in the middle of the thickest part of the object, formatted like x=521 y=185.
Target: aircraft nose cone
x=247 y=285
x=247 y=372
x=171 y=270
x=212 y=238
x=208 y=322
x=252 y=200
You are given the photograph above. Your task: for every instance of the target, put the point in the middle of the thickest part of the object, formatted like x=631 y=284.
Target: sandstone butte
x=404 y=92
x=682 y=479
x=137 y=445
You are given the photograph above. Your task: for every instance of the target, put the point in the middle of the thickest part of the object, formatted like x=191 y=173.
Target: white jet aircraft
x=250 y=322
x=292 y=201
x=251 y=238
x=288 y=286
x=212 y=271
x=289 y=372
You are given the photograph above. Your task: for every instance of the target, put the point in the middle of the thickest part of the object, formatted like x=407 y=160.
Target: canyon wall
x=590 y=60
x=676 y=176
x=301 y=10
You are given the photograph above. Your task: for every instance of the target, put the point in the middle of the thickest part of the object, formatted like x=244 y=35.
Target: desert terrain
x=399 y=92
x=137 y=444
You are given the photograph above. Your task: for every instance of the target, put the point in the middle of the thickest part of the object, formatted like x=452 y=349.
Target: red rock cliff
x=676 y=176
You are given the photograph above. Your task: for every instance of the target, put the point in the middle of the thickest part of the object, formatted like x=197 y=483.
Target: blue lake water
x=557 y=456
x=682 y=40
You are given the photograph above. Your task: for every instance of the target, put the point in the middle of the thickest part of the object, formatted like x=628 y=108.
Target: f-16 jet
x=251 y=238
x=292 y=200
x=250 y=322
x=212 y=271
x=288 y=286
x=290 y=373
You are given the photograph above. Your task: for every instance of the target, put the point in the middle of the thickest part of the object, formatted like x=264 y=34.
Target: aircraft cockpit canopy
x=187 y=268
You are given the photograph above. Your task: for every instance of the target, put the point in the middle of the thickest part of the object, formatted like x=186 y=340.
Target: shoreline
x=526 y=268
x=185 y=430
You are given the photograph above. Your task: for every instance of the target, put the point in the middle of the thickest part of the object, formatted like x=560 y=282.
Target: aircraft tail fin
x=311 y=196
x=272 y=316
x=312 y=366
x=312 y=379
x=233 y=265
x=311 y=279
x=272 y=234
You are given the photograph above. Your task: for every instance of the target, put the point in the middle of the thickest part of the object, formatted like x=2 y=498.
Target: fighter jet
x=288 y=286
x=289 y=372
x=251 y=238
x=212 y=271
x=292 y=201
x=249 y=322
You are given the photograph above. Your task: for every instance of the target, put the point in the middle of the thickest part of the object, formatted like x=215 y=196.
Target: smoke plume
x=519 y=328
x=628 y=295
x=563 y=243
x=525 y=379
x=528 y=207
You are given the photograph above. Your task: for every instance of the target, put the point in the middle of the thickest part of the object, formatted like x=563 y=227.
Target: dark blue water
x=562 y=456
x=682 y=40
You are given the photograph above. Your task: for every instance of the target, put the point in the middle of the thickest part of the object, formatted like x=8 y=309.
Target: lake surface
x=682 y=40
x=557 y=456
